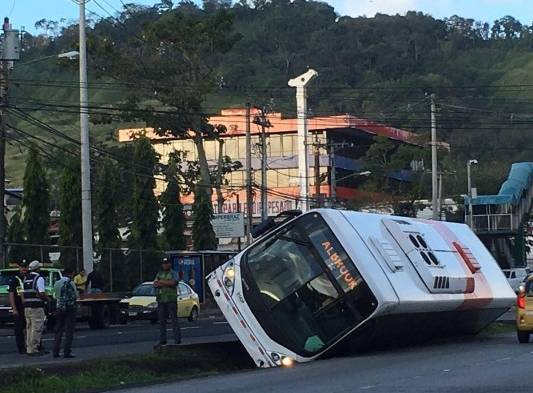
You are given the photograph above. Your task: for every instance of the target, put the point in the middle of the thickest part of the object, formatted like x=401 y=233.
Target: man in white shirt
x=35 y=298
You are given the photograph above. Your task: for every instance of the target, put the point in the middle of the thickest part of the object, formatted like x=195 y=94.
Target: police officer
x=35 y=299
x=15 y=300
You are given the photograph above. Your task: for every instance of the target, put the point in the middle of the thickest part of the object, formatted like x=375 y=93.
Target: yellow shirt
x=80 y=281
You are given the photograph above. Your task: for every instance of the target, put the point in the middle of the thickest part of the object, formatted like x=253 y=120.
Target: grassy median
x=182 y=362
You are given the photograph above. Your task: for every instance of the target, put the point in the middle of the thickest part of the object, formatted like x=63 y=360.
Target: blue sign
x=189 y=268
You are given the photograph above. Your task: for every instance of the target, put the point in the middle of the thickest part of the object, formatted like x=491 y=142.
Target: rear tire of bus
x=523 y=337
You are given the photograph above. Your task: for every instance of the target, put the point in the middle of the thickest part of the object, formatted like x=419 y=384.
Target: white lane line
x=220 y=323
x=503 y=359
x=367 y=387
x=185 y=328
x=446 y=370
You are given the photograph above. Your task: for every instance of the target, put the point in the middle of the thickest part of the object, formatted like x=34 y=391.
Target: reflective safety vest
x=20 y=286
x=31 y=297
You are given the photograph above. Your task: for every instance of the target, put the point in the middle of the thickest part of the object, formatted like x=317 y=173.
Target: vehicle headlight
x=229 y=277
x=282 y=360
x=152 y=305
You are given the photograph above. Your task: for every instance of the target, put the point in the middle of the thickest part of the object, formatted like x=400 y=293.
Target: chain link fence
x=121 y=268
x=124 y=268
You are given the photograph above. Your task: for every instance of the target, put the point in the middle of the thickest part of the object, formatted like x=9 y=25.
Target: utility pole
x=86 y=211
x=10 y=52
x=262 y=121
x=300 y=83
x=434 y=170
x=249 y=201
x=317 y=171
x=333 y=177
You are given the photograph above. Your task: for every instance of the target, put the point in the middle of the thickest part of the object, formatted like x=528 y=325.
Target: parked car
x=524 y=310
x=143 y=305
x=516 y=276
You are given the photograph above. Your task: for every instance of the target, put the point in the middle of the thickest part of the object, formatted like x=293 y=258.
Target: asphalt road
x=136 y=335
x=473 y=365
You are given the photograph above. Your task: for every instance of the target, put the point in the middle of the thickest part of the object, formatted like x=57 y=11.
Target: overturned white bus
x=331 y=276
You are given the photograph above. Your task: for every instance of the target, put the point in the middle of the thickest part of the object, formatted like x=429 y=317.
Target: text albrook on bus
x=331 y=276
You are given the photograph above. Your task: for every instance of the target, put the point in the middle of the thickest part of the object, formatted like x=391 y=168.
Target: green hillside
x=381 y=68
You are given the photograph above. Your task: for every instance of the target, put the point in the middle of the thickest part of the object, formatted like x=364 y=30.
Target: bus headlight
x=287 y=361
x=229 y=277
x=282 y=360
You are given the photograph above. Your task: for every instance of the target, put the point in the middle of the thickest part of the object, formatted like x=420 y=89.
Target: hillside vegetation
x=381 y=68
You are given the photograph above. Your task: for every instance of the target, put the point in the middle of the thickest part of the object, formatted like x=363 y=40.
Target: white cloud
x=371 y=7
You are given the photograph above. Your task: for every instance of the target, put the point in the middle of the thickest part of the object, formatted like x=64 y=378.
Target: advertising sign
x=190 y=270
x=228 y=225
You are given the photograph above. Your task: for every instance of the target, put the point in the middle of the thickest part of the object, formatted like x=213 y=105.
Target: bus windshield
x=303 y=288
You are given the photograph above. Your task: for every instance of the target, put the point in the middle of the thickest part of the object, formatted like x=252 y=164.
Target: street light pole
x=86 y=211
x=300 y=83
x=434 y=170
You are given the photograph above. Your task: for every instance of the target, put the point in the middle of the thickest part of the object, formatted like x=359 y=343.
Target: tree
x=15 y=234
x=35 y=205
x=173 y=237
x=70 y=229
x=144 y=216
x=182 y=44
x=203 y=236
x=107 y=223
x=144 y=206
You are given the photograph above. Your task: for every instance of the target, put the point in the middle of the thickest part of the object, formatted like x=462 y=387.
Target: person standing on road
x=66 y=294
x=166 y=284
x=15 y=300
x=81 y=280
x=34 y=300
x=95 y=281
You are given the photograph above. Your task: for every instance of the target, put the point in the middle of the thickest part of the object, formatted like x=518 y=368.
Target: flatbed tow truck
x=98 y=309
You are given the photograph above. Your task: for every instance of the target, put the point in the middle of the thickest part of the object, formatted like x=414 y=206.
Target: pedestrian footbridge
x=502 y=220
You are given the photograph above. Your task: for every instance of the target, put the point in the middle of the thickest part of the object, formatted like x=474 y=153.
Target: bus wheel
x=523 y=337
x=194 y=314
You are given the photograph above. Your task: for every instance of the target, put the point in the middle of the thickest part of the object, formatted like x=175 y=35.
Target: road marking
x=185 y=328
x=367 y=387
x=81 y=336
x=446 y=370
x=220 y=323
x=502 y=359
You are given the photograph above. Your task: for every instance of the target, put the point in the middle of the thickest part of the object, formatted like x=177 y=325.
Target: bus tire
x=523 y=337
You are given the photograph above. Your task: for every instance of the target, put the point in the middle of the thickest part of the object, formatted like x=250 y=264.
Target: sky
x=24 y=13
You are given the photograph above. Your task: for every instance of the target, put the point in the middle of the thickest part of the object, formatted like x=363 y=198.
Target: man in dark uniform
x=15 y=300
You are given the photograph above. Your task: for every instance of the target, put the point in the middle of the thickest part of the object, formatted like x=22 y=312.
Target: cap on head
x=23 y=264
x=35 y=265
x=165 y=260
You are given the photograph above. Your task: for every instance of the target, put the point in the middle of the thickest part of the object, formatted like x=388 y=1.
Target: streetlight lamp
x=469 y=164
x=67 y=55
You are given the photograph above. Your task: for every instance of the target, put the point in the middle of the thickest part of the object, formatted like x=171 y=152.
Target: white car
x=515 y=276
